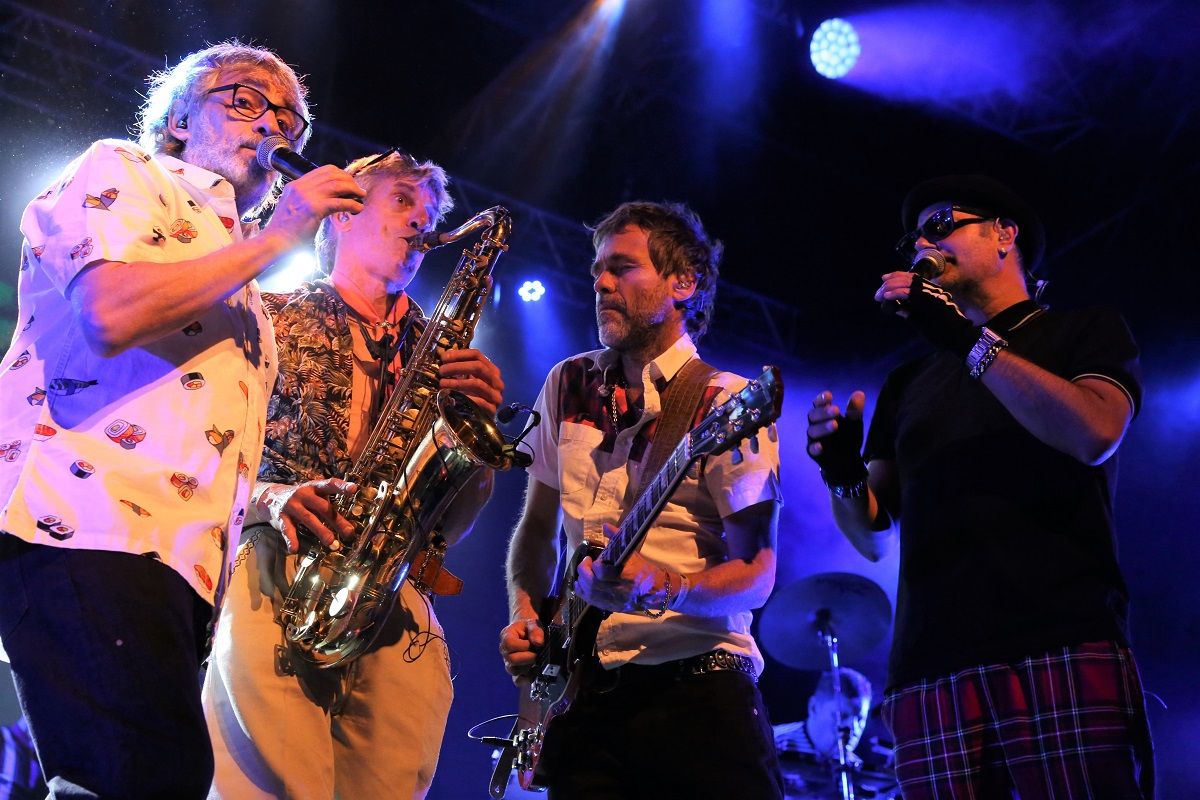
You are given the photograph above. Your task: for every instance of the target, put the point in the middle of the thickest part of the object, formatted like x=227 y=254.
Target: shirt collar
x=1015 y=316
x=208 y=183
x=662 y=368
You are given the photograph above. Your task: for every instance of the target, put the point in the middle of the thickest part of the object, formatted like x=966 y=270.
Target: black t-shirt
x=1007 y=546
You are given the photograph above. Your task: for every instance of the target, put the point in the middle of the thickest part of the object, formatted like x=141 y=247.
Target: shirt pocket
x=577 y=446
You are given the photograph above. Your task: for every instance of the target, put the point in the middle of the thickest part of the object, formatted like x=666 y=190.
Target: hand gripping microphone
x=928 y=263
x=275 y=152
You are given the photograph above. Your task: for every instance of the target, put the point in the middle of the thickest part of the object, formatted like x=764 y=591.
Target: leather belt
x=430 y=576
x=712 y=661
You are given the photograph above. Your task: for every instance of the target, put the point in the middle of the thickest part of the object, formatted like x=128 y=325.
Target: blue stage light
x=834 y=48
x=531 y=291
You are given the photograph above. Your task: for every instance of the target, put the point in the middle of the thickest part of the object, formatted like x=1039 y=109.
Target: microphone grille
x=267 y=147
x=928 y=263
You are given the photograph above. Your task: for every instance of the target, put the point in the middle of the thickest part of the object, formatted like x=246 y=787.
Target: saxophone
x=427 y=444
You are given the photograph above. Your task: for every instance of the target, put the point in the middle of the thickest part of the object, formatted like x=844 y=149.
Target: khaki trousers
x=371 y=729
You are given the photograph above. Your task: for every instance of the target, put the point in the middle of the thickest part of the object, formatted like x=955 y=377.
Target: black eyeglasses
x=250 y=103
x=939 y=225
x=397 y=149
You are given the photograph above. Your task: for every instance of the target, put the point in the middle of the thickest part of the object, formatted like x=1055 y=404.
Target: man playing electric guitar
x=677 y=713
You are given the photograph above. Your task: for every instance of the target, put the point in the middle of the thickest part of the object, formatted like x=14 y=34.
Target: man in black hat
x=1010 y=669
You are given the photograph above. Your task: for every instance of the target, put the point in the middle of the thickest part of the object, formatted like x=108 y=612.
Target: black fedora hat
x=986 y=194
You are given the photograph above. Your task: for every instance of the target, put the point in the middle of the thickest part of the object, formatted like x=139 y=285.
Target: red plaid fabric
x=1066 y=725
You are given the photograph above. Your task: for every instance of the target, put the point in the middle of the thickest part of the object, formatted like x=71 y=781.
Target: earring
x=1003 y=252
x=683 y=284
x=183 y=122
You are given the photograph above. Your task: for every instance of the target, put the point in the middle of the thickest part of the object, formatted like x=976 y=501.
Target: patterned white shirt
x=596 y=474
x=152 y=451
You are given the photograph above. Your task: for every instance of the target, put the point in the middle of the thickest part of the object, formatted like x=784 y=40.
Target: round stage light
x=531 y=291
x=834 y=48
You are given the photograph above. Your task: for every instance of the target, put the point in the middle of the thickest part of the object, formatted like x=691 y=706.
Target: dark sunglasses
x=250 y=103
x=939 y=225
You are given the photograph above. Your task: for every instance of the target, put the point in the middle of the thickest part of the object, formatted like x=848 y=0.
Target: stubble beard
x=636 y=334
x=407 y=270
x=964 y=290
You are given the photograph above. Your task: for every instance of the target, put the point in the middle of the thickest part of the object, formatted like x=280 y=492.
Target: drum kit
x=813 y=624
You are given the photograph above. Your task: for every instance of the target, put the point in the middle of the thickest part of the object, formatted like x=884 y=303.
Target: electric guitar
x=567 y=660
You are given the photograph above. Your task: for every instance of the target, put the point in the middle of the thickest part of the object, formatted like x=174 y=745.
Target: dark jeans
x=105 y=650
x=657 y=736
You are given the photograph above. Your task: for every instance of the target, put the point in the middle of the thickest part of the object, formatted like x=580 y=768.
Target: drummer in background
x=817 y=735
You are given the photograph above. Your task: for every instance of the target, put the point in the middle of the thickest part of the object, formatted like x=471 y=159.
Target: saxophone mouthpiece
x=424 y=242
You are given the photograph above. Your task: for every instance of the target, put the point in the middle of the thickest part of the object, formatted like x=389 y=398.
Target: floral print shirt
x=308 y=422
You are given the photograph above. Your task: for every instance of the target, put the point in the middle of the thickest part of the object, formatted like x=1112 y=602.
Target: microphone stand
x=842 y=769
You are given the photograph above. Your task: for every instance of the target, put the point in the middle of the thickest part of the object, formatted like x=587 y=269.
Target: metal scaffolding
x=57 y=69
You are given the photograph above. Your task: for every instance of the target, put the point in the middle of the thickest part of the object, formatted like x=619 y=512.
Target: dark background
x=1089 y=109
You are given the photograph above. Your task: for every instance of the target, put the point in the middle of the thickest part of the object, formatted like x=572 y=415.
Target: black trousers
x=105 y=650
x=657 y=735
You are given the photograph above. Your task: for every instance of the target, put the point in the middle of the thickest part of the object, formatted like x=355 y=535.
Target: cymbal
x=854 y=607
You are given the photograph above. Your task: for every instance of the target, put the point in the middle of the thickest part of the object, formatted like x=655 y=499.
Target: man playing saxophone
x=372 y=727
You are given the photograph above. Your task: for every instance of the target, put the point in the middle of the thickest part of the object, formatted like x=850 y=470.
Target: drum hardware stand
x=825 y=630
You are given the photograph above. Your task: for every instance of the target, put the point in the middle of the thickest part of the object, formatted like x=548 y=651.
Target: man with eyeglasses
x=282 y=727
x=134 y=392
x=1010 y=672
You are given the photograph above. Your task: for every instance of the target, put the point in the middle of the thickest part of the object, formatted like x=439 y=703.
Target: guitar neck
x=650 y=502
x=757 y=405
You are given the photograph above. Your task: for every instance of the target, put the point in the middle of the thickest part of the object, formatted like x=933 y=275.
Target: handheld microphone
x=275 y=152
x=928 y=263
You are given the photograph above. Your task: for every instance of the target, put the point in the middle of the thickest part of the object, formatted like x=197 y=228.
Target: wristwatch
x=984 y=352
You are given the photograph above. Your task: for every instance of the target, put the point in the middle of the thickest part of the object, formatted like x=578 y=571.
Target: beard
x=631 y=328
x=251 y=183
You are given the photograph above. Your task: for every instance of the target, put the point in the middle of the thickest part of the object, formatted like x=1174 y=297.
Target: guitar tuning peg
x=736 y=455
x=754 y=445
x=772 y=434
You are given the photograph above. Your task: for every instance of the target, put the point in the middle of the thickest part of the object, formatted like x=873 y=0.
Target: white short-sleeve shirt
x=596 y=480
x=152 y=451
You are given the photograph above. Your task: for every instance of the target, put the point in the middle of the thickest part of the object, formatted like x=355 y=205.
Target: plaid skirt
x=1064 y=725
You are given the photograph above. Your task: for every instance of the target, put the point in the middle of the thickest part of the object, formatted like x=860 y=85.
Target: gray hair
x=396 y=165
x=188 y=81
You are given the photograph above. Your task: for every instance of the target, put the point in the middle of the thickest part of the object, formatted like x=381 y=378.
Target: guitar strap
x=679 y=402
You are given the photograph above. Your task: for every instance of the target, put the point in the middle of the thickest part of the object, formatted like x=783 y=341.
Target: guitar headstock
x=740 y=417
